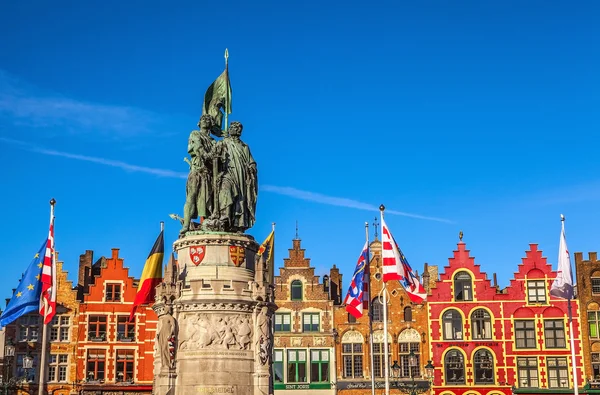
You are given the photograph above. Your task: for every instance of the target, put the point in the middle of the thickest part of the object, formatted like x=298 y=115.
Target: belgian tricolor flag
x=151 y=275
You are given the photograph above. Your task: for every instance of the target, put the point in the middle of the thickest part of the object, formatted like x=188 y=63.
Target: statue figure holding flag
x=221 y=189
x=222 y=184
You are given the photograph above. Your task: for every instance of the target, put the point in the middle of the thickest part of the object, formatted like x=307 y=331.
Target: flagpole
x=271 y=268
x=370 y=314
x=572 y=338
x=227 y=98
x=42 y=361
x=385 y=328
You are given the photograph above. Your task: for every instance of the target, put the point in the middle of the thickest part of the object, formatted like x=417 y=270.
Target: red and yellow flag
x=151 y=275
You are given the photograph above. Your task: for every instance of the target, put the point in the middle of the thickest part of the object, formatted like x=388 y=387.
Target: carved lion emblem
x=197 y=254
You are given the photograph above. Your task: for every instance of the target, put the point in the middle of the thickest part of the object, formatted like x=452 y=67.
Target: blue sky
x=480 y=116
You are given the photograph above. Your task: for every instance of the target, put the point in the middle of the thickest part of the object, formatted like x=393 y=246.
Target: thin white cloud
x=341 y=202
x=101 y=161
x=285 y=191
x=24 y=105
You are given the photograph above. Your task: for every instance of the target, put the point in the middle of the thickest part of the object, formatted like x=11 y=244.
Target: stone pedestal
x=221 y=306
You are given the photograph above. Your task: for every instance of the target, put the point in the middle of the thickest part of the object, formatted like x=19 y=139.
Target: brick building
x=113 y=354
x=485 y=340
x=26 y=335
x=407 y=332
x=588 y=293
x=303 y=355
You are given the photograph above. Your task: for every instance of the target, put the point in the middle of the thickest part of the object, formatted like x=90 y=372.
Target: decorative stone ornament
x=197 y=254
x=237 y=255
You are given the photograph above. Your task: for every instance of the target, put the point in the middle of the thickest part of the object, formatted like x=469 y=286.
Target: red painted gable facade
x=112 y=353
x=485 y=340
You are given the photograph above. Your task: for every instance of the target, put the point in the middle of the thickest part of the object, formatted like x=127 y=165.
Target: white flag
x=562 y=287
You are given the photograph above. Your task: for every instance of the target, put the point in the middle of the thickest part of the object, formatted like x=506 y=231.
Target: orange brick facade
x=303 y=353
x=588 y=293
x=112 y=354
x=26 y=335
x=407 y=331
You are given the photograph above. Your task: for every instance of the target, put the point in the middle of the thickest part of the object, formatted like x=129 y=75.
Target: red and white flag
x=392 y=265
x=48 y=280
x=396 y=267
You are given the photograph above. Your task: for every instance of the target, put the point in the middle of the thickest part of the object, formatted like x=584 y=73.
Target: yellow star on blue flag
x=27 y=295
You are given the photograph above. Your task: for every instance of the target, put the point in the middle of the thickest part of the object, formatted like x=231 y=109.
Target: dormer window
x=113 y=292
x=296 y=290
x=463 y=287
x=536 y=291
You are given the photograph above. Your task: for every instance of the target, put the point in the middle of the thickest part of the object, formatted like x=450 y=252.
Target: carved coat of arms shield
x=237 y=254
x=197 y=254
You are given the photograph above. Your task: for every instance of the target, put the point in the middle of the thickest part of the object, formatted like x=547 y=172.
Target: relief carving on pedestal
x=217 y=331
x=264 y=336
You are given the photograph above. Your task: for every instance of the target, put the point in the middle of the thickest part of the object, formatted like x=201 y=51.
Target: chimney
x=426 y=276
x=495 y=281
x=85 y=273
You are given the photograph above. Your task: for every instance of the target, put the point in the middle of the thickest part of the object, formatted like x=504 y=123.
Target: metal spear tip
x=381 y=208
x=52 y=202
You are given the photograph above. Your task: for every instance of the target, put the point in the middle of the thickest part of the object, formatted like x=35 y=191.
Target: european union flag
x=27 y=295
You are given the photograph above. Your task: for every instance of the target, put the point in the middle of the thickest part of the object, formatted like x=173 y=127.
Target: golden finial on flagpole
x=460 y=235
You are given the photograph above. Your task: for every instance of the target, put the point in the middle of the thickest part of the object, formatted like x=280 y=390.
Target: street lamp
x=9 y=354
x=429 y=371
x=27 y=365
x=395 y=372
x=412 y=387
x=9 y=348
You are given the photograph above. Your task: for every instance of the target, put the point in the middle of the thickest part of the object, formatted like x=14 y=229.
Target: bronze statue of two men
x=222 y=186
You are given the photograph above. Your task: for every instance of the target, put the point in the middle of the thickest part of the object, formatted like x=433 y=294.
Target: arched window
x=455 y=367
x=409 y=341
x=352 y=354
x=453 y=327
x=484 y=367
x=463 y=287
x=377 y=307
x=378 y=353
x=296 y=293
x=481 y=324
x=408 y=313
